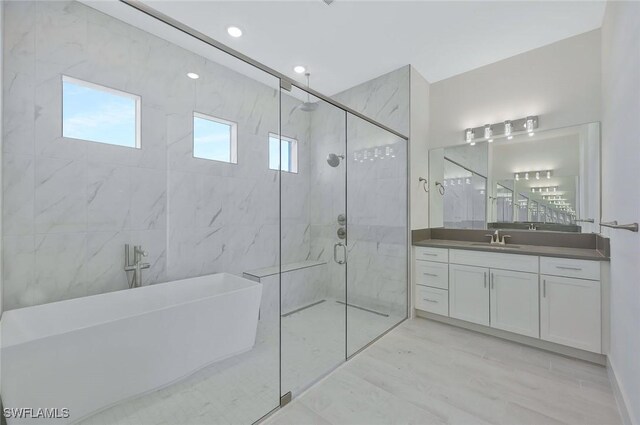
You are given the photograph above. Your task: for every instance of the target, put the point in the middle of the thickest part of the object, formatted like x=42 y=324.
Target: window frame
x=109 y=90
x=233 y=143
x=293 y=153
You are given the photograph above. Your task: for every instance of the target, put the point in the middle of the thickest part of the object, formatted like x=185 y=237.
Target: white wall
x=559 y=82
x=620 y=192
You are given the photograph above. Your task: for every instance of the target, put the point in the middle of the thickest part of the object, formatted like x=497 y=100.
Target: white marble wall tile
x=148 y=199
x=18 y=270
x=108 y=197
x=18 y=111
x=105 y=261
x=183 y=199
x=61 y=267
x=18 y=181
x=60 y=195
x=61 y=32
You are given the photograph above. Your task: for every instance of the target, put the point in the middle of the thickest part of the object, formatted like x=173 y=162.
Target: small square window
x=287 y=151
x=215 y=138
x=99 y=114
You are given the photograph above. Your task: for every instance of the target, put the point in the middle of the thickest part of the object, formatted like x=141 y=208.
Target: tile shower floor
x=241 y=389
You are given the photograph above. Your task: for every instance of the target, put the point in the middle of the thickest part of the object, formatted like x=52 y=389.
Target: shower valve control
x=342 y=219
x=342 y=233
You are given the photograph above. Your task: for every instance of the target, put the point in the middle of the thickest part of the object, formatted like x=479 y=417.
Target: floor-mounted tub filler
x=87 y=354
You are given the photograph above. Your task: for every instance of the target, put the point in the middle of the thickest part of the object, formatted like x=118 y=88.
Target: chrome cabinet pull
x=485 y=279
x=568 y=268
x=429 y=274
x=430 y=301
x=430 y=255
x=544 y=288
x=492 y=280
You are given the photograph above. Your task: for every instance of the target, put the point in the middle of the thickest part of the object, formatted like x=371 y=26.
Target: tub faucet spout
x=137 y=266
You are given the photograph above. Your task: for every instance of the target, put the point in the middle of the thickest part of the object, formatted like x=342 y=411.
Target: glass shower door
x=377 y=232
x=312 y=168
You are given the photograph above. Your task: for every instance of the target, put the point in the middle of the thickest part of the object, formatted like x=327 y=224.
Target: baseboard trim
x=621 y=400
x=588 y=356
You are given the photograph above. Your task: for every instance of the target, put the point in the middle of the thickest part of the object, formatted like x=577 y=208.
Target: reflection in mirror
x=549 y=180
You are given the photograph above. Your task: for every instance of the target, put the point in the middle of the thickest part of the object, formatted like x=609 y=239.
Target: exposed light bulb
x=469 y=135
x=529 y=125
x=488 y=132
x=508 y=129
x=193 y=75
x=299 y=69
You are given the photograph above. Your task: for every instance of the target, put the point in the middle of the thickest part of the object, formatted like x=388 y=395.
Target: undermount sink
x=488 y=245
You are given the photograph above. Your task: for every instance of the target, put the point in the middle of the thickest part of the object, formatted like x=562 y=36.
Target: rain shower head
x=308 y=106
x=334 y=160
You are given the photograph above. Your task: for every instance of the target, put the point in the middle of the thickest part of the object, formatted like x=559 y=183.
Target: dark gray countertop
x=545 y=251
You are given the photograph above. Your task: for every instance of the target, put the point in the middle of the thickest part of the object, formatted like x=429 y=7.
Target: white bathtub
x=89 y=353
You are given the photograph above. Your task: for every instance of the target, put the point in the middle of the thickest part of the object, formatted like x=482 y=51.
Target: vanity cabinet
x=570 y=312
x=514 y=302
x=552 y=299
x=469 y=293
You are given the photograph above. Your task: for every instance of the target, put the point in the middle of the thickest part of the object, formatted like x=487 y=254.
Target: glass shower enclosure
x=266 y=223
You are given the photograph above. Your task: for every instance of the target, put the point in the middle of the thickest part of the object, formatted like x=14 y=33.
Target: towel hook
x=440 y=188
x=424 y=184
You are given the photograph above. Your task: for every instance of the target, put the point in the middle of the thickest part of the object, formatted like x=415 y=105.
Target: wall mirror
x=544 y=180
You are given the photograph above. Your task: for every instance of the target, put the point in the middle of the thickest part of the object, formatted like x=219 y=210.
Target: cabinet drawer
x=495 y=260
x=432 y=300
x=432 y=274
x=581 y=269
x=440 y=255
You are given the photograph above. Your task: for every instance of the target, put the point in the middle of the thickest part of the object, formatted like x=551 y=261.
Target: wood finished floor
x=424 y=372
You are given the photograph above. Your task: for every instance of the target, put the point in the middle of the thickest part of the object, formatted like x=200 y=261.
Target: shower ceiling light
x=234 y=32
x=299 y=69
x=503 y=129
x=193 y=75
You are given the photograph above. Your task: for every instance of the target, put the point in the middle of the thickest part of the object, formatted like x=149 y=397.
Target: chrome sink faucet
x=137 y=266
x=496 y=239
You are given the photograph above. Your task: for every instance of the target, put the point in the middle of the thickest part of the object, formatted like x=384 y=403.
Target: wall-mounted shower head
x=334 y=160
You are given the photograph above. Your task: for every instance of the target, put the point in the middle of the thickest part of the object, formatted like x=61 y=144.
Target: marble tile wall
x=71 y=205
x=376 y=196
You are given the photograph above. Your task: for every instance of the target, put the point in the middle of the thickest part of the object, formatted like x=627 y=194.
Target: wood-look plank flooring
x=424 y=372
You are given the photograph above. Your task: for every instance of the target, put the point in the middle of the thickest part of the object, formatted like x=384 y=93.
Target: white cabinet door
x=570 y=312
x=514 y=302
x=469 y=293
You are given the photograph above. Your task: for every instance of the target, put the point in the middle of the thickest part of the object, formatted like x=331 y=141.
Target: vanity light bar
x=545 y=189
x=507 y=129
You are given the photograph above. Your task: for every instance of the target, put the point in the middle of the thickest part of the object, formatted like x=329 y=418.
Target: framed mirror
x=546 y=181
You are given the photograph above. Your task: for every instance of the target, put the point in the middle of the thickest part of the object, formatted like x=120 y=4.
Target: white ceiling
x=352 y=41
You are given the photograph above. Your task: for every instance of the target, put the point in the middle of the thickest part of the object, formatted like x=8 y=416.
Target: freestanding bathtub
x=90 y=353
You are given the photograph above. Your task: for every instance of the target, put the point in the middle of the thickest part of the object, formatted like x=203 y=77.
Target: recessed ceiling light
x=299 y=69
x=234 y=32
x=193 y=75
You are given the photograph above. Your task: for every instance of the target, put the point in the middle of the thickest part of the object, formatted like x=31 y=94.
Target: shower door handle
x=335 y=253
